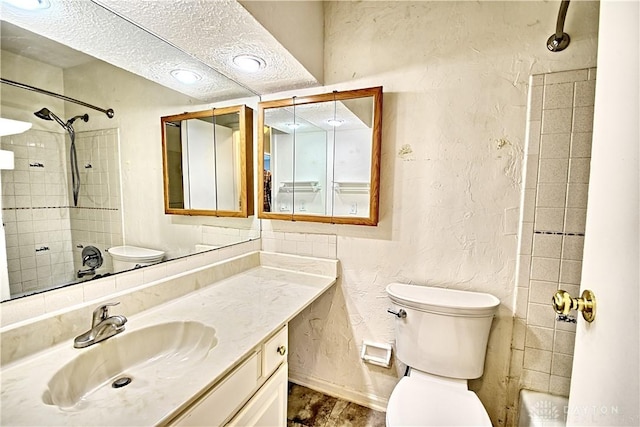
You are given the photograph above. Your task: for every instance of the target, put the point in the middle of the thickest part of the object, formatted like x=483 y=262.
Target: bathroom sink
x=132 y=360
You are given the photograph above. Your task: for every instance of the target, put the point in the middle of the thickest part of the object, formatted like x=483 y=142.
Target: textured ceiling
x=200 y=35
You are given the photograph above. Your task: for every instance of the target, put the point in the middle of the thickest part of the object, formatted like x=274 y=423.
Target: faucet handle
x=102 y=312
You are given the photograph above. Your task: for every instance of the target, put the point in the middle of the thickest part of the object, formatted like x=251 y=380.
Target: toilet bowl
x=129 y=257
x=442 y=335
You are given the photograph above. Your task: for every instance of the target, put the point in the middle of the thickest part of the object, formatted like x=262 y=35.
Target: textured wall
x=455 y=81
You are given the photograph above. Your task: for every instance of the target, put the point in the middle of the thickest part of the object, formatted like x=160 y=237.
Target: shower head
x=46 y=114
x=43 y=114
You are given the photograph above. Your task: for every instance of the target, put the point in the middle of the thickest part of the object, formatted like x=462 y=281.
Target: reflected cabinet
x=207 y=162
x=319 y=157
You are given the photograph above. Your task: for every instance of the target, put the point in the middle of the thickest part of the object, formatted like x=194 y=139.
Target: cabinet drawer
x=274 y=351
x=226 y=397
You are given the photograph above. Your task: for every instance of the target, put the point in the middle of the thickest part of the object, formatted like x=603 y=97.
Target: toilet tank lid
x=442 y=300
x=129 y=253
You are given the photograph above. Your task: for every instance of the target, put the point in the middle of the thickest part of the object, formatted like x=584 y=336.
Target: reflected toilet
x=129 y=257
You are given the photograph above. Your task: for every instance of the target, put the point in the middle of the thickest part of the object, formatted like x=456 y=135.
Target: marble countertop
x=244 y=310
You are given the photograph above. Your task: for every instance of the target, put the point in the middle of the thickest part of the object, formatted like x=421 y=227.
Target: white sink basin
x=160 y=352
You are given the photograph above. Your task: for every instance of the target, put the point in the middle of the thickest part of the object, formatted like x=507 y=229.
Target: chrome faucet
x=103 y=326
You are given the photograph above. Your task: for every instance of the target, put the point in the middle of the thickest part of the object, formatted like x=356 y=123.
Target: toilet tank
x=445 y=331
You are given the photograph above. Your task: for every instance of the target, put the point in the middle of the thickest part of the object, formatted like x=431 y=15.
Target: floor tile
x=309 y=408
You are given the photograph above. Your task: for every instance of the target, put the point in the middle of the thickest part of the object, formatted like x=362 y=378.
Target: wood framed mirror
x=208 y=162
x=319 y=157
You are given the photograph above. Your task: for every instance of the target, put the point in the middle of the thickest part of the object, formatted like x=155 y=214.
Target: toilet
x=129 y=257
x=441 y=335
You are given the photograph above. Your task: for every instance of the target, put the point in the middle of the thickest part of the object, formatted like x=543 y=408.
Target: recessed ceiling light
x=186 y=76
x=249 y=63
x=335 y=122
x=293 y=125
x=28 y=4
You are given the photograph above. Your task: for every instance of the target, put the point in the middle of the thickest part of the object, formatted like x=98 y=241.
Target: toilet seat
x=418 y=401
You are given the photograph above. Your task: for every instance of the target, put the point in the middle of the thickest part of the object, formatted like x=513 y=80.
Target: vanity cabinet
x=254 y=393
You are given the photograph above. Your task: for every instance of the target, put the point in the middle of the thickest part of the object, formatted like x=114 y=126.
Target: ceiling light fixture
x=293 y=125
x=186 y=76
x=335 y=122
x=28 y=4
x=249 y=63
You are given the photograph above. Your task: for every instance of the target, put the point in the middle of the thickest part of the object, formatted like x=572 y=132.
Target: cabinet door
x=221 y=402
x=268 y=407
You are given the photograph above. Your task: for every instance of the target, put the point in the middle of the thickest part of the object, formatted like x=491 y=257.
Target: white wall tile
x=549 y=219
x=564 y=342
x=585 y=93
x=572 y=247
x=570 y=271
x=559 y=385
x=547 y=245
x=536 y=80
x=545 y=269
x=581 y=144
x=542 y=292
x=534 y=380
x=553 y=170
x=95 y=289
x=566 y=76
x=533 y=139
x=582 y=119
x=575 y=220
x=526 y=239
x=541 y=315
x=551 y=195
x=522 y=305
x=535 y=107
x=557 y=121
x=577 y=195
x=562 y=365
x=555 y=145
x=558 y=96
x=540 y=338
x=537 y=360
x=531 y=171
x=579 y=169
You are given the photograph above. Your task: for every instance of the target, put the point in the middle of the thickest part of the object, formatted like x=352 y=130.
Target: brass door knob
x=282 y=350
x=563 y=303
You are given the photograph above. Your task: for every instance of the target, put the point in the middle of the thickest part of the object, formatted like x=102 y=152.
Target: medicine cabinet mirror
x=319 y=157
x=208 y=162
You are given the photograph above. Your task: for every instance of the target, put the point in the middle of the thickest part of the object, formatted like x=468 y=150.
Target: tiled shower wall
x=35 y=211
x=42 y=227
x=97 y=220
x=552 y=229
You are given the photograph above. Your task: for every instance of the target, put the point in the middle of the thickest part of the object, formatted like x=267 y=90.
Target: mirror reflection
x=320 y=157
x=120 y=197
x=208 y=162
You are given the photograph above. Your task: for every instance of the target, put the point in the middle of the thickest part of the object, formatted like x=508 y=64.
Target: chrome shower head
x=43 y=114
x=46 y=114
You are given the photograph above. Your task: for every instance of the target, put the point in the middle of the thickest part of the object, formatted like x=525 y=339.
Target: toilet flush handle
x=401 y=314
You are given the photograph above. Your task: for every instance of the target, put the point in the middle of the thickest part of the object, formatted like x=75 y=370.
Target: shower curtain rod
x=109 y=112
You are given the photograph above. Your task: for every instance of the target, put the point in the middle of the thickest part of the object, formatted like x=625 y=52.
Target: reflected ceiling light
x=249 y=63
x=293 y=125
x=186 y=76
x=335 y=122
x=28 y=4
